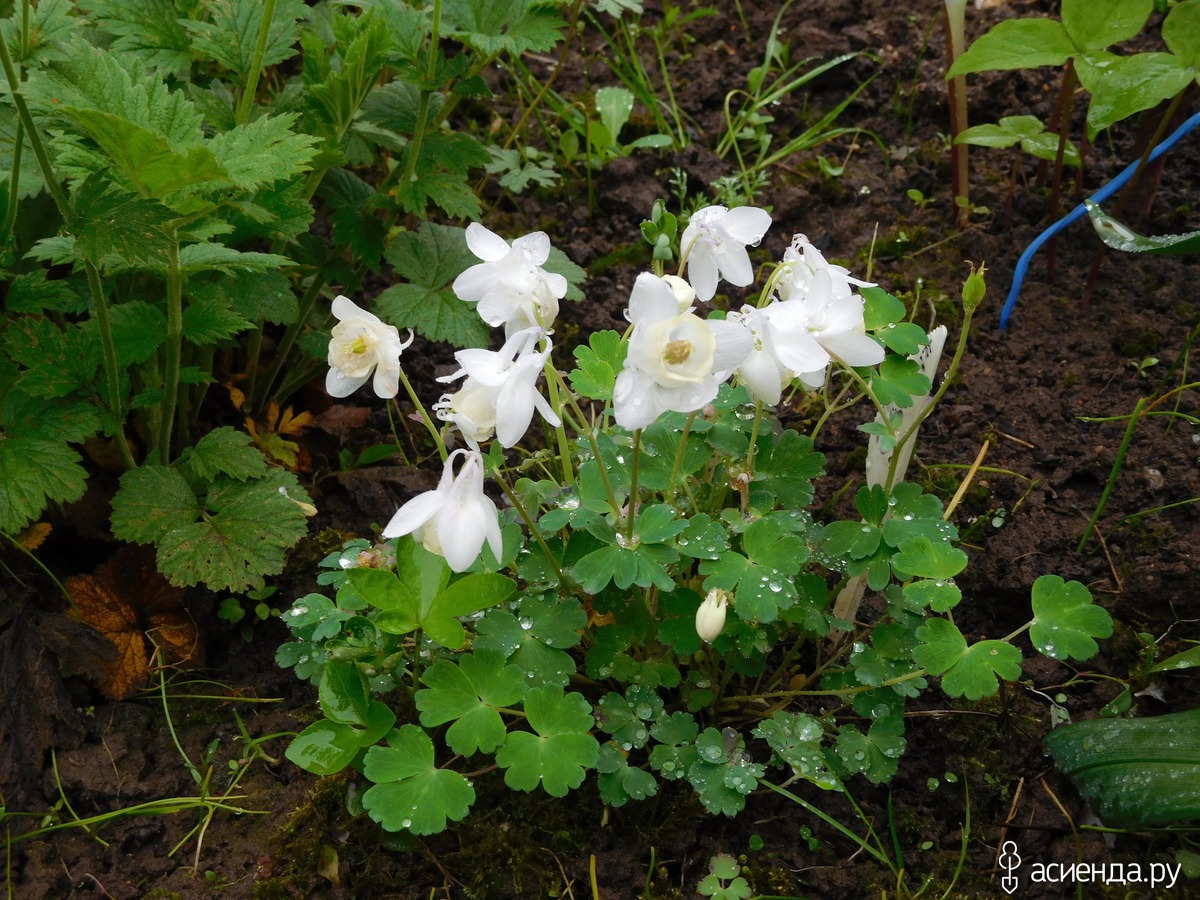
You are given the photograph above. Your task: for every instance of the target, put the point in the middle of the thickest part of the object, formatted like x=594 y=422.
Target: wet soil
x=1024 y=393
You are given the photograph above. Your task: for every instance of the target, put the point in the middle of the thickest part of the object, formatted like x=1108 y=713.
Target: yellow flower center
x=677 y=352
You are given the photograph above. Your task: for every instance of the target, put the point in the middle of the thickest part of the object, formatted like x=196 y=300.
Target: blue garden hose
x=1078 y=212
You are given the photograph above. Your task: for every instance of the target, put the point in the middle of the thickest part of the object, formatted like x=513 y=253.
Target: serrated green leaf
x=1016 y=44
x=209 y=320
x=242 y=537
x=970 y=672
x=219 y=258
x=226 y=451
x=410 y=792
x=32 y=292
x=1065 y=620
x=561 y=749
x=112 y=222
x=60 y=420
x=598 y=364
x=34 y=472
x=57 y=362
x=787 y=468
x=513 y=28
x=138 y=329
x=468 y=694
x=263 y=152
x=229 y=34
x=150 y=502
x=147 y=29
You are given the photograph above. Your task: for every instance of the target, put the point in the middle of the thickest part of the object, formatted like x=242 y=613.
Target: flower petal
x=415 y=513
x=853 y=348
x=339 y=384
x=702 y=272
x=485 y=244
x=746 y=224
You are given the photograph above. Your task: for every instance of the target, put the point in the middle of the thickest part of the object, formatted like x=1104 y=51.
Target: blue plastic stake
x=1081 y=210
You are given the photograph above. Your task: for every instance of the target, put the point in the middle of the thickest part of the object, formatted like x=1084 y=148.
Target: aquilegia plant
x=655 y=579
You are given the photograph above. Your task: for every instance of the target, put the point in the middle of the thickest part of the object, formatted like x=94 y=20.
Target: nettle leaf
x=138 y=329
x=468 y=694
x=150 y=502
x=147 y=29
x=559 y=751
x=1016 y=44
x=226 y=451
x=410 y=792
x=231 y=32
x=249 y=296
x=723 y=773
x=51 y=25
x=970 y=672
x=242 y=533
x=67 y=420
x=430 y=259
x=32 y=292
x=355 y=224
x=209 y=320
x=219 y=258
x=535 y=638
x=34 y=472
x=875 y=754
x=57 y=362
x=263 y=152
x=598 y=364
x=112 y=222
x=1066 y=620
x=796 y=739
x=787 y=467
x=511 y=28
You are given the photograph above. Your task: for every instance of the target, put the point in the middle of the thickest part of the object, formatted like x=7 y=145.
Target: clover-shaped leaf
x=599 y=363
x=875 y=754
x=970 y=672
x=468 y=694
x=787 y=469
x=410 y=791
x=916 y=514
x=559 y=751
x=796 y=739
x=534 y=638
x=922 y=558
x=620 y=782
x=761 y=580
x=723 y=773
x=1066 y=620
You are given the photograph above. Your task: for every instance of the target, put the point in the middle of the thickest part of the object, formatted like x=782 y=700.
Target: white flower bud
x=710 y=617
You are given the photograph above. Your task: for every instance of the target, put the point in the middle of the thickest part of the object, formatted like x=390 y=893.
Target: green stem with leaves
x=260 y=49
x=173 y=350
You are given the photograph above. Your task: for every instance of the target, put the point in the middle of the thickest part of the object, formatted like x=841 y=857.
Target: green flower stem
x=112 y=374
x=428 y=422
x=680 y=452
x=174 y=349
x=530 y=523
x=899 y=679
x=753 y=451
x=560 y=433
x=35 y=139
x=631 y=519
x=260 y=49
x=589 y=433
x=909 y=435
x=261 y=387
x=10 y=214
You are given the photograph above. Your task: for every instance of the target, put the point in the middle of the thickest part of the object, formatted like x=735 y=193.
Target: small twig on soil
x=1012 y=814
x=1111 y=565
x=1066 y=815
x=567 y=882
x=967 y=479
x=1015 y=440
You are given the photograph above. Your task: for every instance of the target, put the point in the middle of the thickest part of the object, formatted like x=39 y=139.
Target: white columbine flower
x=714 y=245
x=710 y=617
x=510 y=285
x=500 y=393
x=361 y=344
x=454 y=520
x=803 y=262
x=676 y=361
x=782 y=348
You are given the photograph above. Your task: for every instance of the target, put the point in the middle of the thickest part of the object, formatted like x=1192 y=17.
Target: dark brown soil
x=1023 y=392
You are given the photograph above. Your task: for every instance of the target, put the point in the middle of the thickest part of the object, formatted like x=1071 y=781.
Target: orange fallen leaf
x=34 y=536
x=139 y=611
